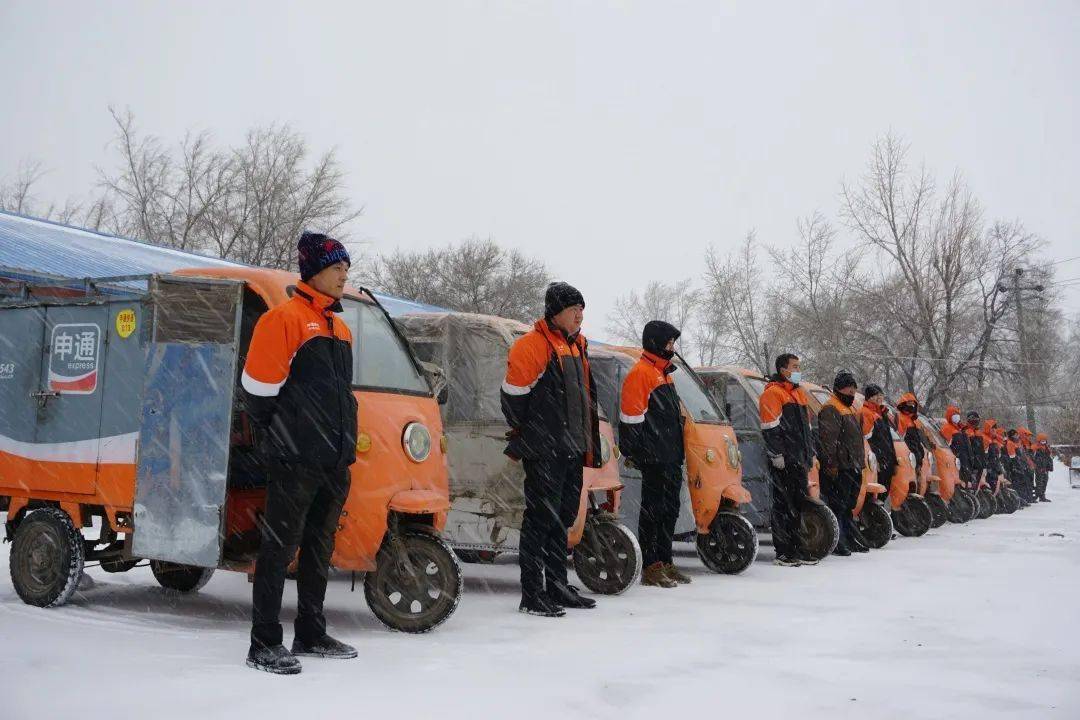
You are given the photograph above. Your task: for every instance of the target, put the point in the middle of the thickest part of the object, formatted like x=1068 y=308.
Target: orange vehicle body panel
x=380 y=476
x=902 y=477
x=600 y=479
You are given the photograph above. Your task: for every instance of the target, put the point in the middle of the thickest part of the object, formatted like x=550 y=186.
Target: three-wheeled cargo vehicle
x=712 y=498
x=948 y=499
x=737 y=391
x=125 y=409
x=487 y=487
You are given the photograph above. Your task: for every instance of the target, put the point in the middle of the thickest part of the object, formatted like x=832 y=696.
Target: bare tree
x=676 y=303
x=476 y=275
x=738 y=310
x=248 y=203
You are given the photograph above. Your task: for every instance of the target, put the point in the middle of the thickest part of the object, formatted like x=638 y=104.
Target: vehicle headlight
x=605 y=450
x=733 y=456
x=911 y=458
x=710 y=455
x=417 y=442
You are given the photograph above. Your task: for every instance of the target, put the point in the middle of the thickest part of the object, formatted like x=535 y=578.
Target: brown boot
x=677 y=575
x=654 y=575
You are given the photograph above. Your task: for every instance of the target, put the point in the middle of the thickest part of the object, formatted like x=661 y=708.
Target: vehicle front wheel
x=818 y=530
x=417 y=586
x=875 y=525
x=730 y=546
x=608 y=558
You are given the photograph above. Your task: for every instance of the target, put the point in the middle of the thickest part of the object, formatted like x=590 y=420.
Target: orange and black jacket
x=977 y=449
x=785 y=423
x=909 y=430
x=298 y=380
x=1044 y=460
x=957 y=438
x=650 y=414
x=549 y=397
x=1027 y=450
x=876 y=430
x=840 y=438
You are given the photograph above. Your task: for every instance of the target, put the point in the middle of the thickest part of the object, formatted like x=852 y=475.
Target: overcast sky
x=614 y=140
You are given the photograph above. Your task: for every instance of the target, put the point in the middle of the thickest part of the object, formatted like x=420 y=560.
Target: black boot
x=857 y=545
x=568 y=596
x=540 y=606
x=841 y=549
x=326 y=647
x=274 y=659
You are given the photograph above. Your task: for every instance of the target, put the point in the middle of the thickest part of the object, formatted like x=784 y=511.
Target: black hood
x=656 y=335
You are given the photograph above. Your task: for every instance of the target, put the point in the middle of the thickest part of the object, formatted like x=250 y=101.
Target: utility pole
x=1018 y=294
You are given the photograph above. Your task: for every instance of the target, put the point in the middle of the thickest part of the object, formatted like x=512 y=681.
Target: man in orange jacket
x=785 y=427
x=298 y=383
x=651 y=436
x=549 y=401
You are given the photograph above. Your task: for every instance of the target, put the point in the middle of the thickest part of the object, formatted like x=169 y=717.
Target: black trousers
x=303 y=507
x=1042 y=477
x=788 y=495
x=660 y=488
x=841 y=492
x=552 y=496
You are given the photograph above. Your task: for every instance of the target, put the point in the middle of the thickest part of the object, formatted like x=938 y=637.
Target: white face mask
x=955 y=419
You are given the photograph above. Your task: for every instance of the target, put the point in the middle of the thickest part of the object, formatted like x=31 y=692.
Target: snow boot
x=325 y=647
x=275 y=659
x=785 y=561
x=541 y=607
x=568 y=596
x=676 y=574
x=655 y=576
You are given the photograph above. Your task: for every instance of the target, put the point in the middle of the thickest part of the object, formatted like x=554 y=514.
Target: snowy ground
x=980 y=620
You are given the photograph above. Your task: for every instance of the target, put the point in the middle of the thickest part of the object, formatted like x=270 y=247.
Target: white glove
x=777 y=461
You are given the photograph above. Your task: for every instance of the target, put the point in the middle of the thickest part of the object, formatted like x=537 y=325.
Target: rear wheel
x=913 y=519
x=961 y=507
x=416 y=584
x=181 y=578
x=47 y=558
x=608 y=558
x=730 y=546
x=939 y=511
x=1014 y=500
x=818 y=530
x=875 y=525
x=987 y=503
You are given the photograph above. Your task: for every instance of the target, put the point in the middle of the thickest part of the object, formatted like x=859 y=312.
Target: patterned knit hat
x=317 y=252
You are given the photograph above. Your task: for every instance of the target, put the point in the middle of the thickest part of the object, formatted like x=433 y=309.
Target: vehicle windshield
x=757 y=385
x=693 y=396
x=822 y=396
x=381 y=359
x=932 y=431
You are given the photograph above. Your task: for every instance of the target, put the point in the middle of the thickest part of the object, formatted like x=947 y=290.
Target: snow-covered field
x=980 y=621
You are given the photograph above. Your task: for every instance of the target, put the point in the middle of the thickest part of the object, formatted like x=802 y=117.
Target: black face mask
x=846 y=400
x=665 y=353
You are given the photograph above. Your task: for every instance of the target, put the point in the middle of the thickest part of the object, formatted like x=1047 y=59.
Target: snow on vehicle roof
x=32 y=247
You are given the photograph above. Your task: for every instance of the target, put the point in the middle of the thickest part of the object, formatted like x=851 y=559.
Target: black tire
x=1014 y=500
x=608 y=558
x=874 y=525
x=972 y=502
x=987 y=503
x=913 y=519
x=961 y=508
x=939 y=511
x=47 y=557
x=180 y=578
x=730 y=546
x=422 y=597
x=818 y=530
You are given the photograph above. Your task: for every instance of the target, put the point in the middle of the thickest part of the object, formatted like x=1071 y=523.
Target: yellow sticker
x=125 y=323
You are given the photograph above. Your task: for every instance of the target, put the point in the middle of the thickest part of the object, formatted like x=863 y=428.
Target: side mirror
x=436 y=380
